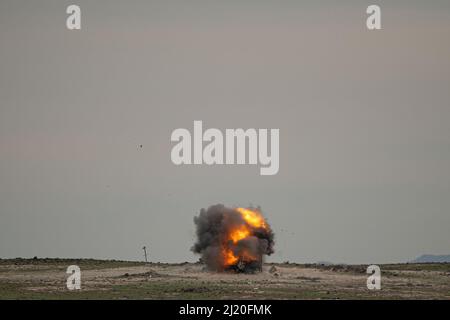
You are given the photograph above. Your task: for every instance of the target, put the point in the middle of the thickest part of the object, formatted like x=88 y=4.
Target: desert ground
x=110 y=279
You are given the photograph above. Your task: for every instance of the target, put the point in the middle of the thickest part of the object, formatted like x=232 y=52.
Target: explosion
x=233 y=238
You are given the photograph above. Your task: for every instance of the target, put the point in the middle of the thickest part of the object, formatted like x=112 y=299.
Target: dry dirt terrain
x=101 y=279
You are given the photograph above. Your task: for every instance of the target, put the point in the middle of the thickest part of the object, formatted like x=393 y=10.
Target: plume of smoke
x=213 y=226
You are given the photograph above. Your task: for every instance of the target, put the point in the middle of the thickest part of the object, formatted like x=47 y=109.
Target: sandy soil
x=46 y=279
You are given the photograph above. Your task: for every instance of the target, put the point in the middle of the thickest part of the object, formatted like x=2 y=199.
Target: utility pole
x=145 y=253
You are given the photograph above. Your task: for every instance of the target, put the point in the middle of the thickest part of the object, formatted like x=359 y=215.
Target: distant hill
x=428 y=258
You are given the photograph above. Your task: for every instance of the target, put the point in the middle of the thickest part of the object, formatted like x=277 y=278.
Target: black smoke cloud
x=212 y=228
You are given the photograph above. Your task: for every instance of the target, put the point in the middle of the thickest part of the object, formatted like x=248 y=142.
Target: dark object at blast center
x=243 y=266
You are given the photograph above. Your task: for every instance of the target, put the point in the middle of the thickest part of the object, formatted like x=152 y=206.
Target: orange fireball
x=253 y=219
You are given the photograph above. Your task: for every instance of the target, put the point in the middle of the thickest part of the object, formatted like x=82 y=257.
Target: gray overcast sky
x=364 y=121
